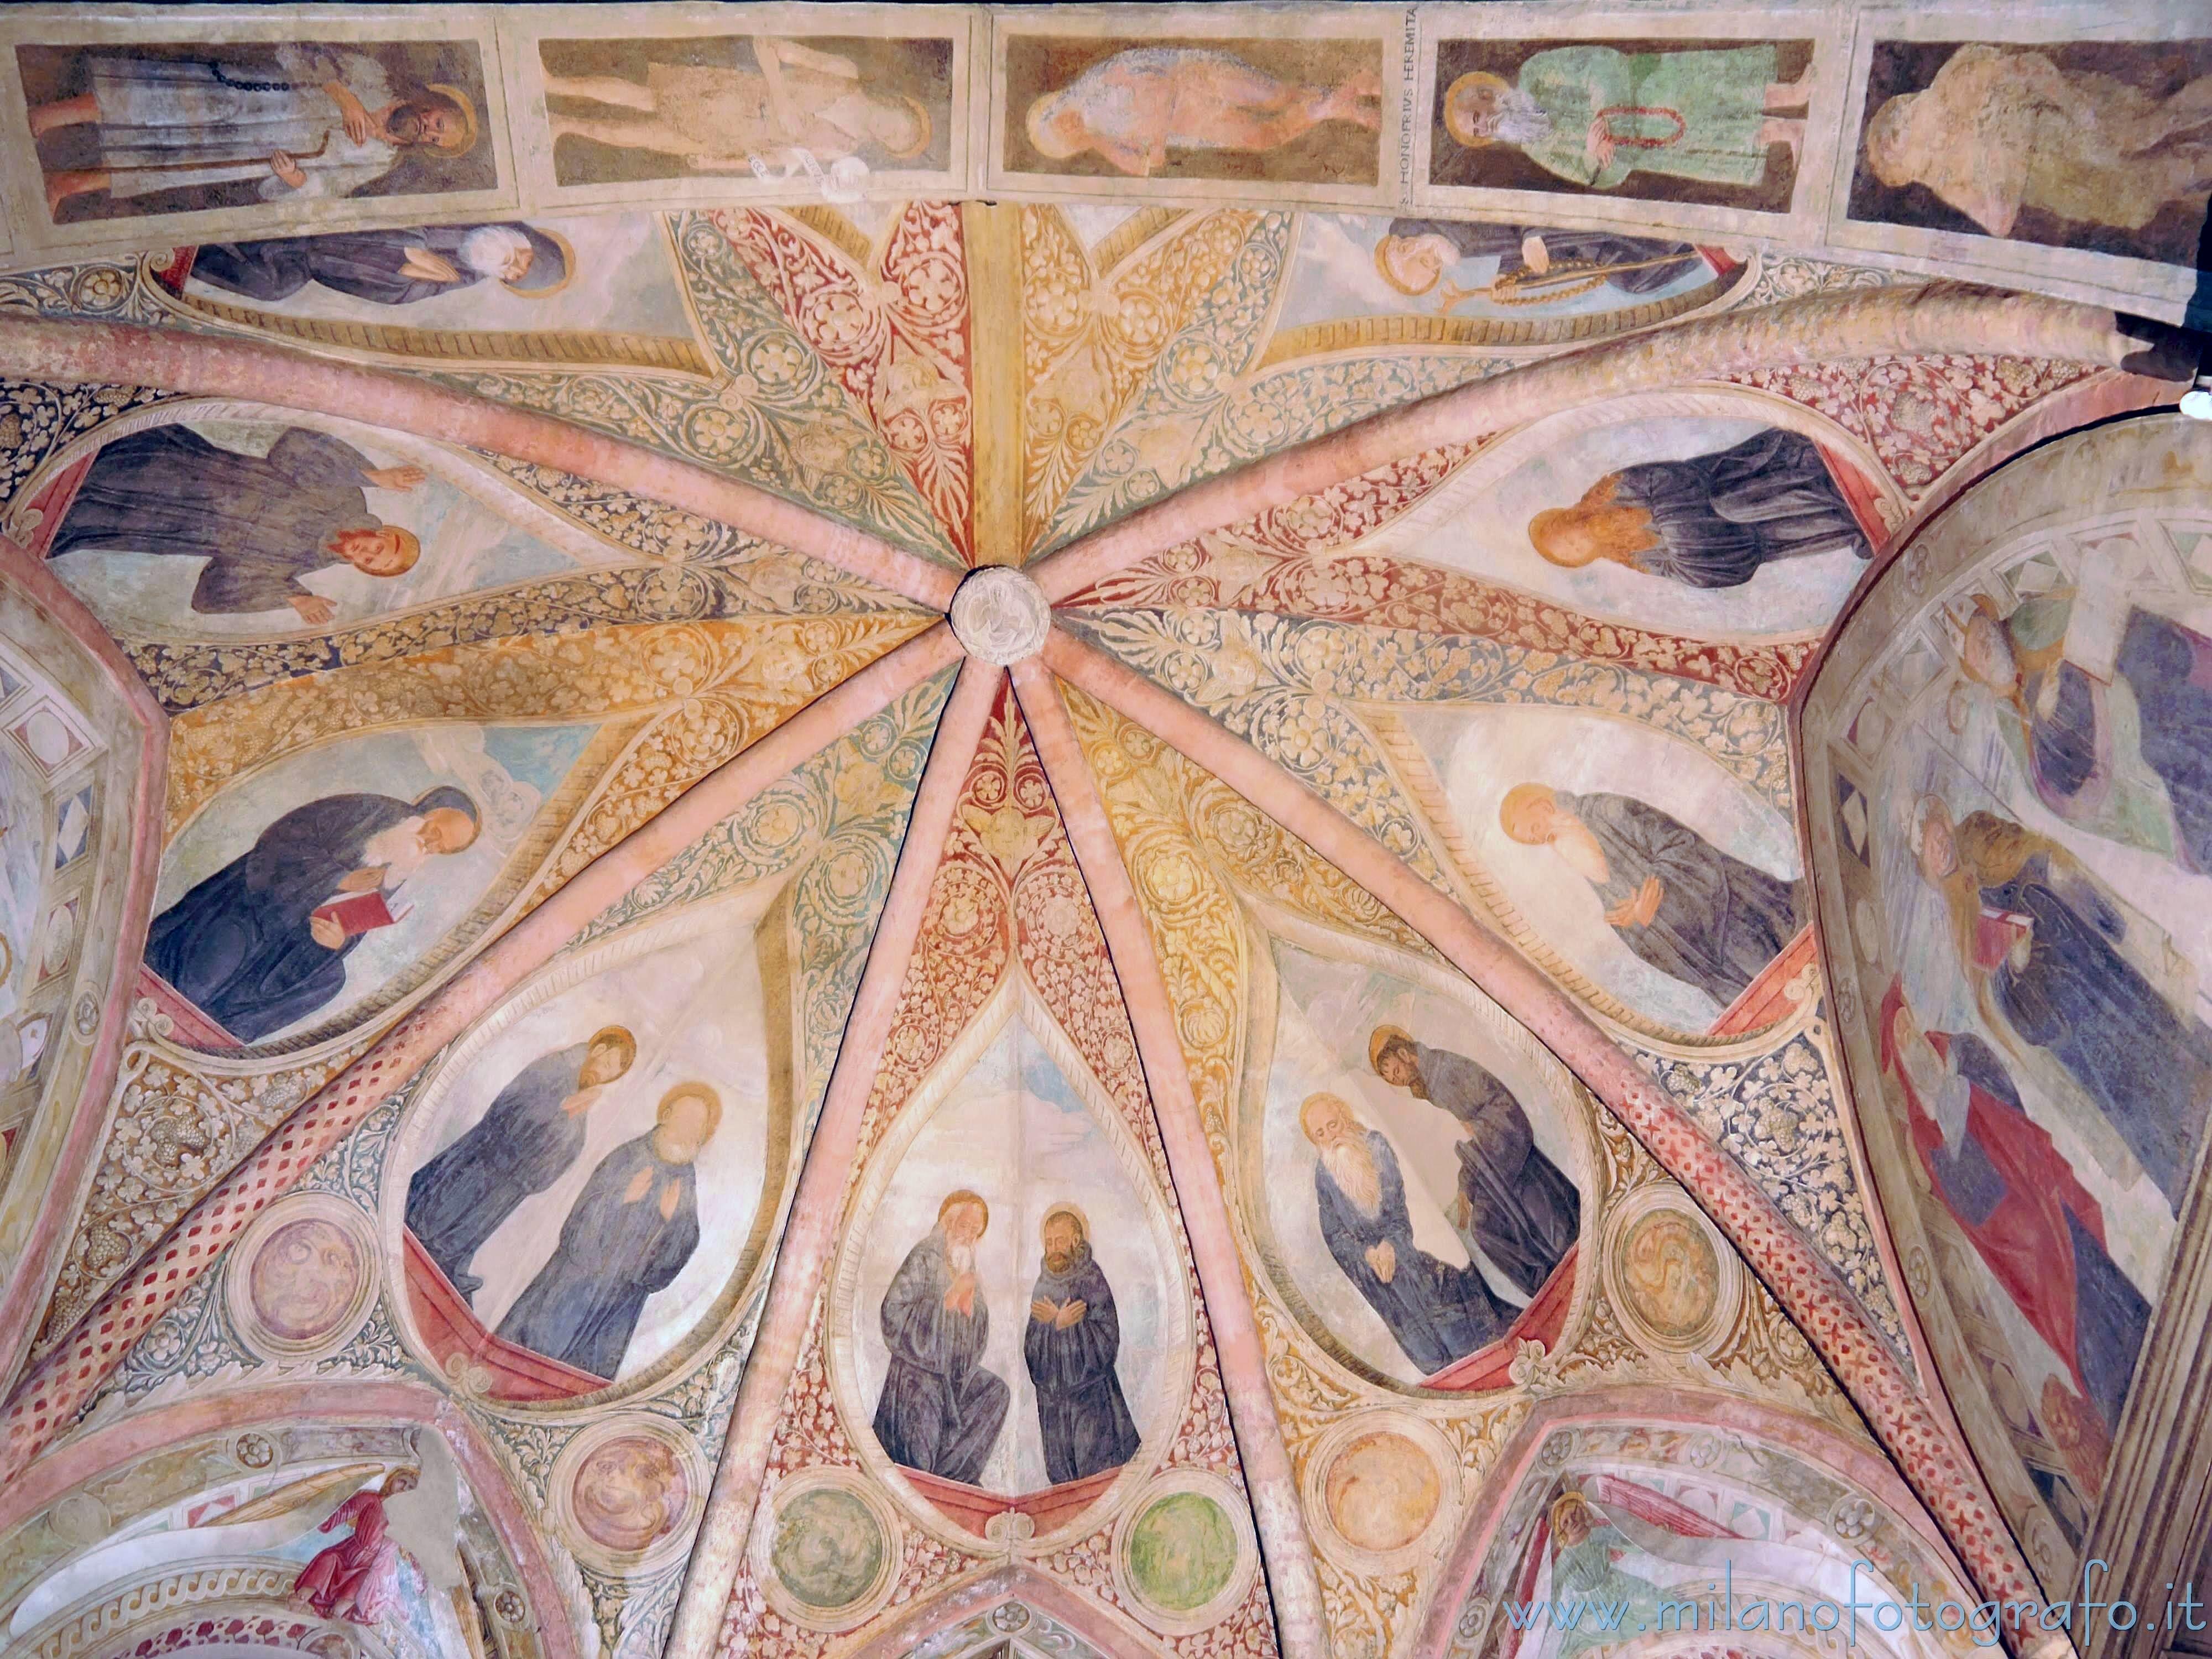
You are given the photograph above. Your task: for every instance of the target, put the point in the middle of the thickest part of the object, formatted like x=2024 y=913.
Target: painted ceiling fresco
x=1173 y=832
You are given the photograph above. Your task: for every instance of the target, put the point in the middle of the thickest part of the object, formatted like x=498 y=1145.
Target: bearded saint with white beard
x=1436 y=1312
x=940 y=1411
x=1593 y=115
x=391 y=267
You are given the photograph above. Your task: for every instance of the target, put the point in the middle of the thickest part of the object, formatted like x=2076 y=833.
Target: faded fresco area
x=1212 y=835
x=2020 y=813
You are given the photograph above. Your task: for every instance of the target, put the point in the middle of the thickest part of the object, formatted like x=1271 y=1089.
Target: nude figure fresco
x=1713 y=122
x=125 y=131
x=2106 y=146
x=747 y=106
x=1292 y=112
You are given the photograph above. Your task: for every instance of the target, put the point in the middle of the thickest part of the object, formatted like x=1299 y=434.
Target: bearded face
x=1513 y=117
x=1062 y=1244
x=1352 y=1166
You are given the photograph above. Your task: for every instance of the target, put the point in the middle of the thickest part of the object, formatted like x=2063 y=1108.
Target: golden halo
x=1382 y=267
x=460 y=101
x=961 y=1195
x=1382 y=1038
x=691 y=1092
x=1569 y=1502
x=1454 y=124
x=567 y=268
x=928 y=129
x=1065 y=1208
x=615 y=1036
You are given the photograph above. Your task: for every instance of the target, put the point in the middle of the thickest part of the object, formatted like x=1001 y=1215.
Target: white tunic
x=168 y=123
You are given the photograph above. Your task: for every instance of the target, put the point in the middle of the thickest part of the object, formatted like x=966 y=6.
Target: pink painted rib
x=1801 y=1280
x=1866 y=323
x=809 y=1235
x=23 y=1299
x=52 y=1392
x=81 y=352
x=355 y=1399
x=1293 y=1584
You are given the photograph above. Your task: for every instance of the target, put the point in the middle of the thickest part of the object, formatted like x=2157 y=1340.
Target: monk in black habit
x=1072 y=1338
x=261 y=521
x=1436 y=1312
x=1689 y=910
x=1710 y=521
x=940 y=1411
x=388 y=267
x=1515 y=1205
x=527 y=1140
x=244 y=945
x=632 y=1229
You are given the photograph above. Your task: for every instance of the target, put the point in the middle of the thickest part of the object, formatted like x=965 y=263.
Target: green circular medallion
x=1181 y=1552
x=828 y=1548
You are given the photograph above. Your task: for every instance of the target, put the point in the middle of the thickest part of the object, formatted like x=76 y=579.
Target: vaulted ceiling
x=1024 y=903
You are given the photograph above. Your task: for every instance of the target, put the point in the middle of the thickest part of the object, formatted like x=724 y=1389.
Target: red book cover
x=1996 y=932
x=359 y=913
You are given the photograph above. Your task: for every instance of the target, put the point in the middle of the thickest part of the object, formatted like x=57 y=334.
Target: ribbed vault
x=1003 y=709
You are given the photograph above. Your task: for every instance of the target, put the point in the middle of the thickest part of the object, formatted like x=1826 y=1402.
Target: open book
x=1996 y=932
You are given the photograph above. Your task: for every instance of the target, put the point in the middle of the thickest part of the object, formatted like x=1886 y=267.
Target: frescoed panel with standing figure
x=1718 y=123
x=1695 y=512
x=2015 y=784
x=602 y=291
x=1416 y=1169
x=1015 y=1326
x=1671 y=900
x=1505 y=283
x=304 y=892
x=159 y=127
x=2105 y=146
x=238 y=522
x=584 y=1192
